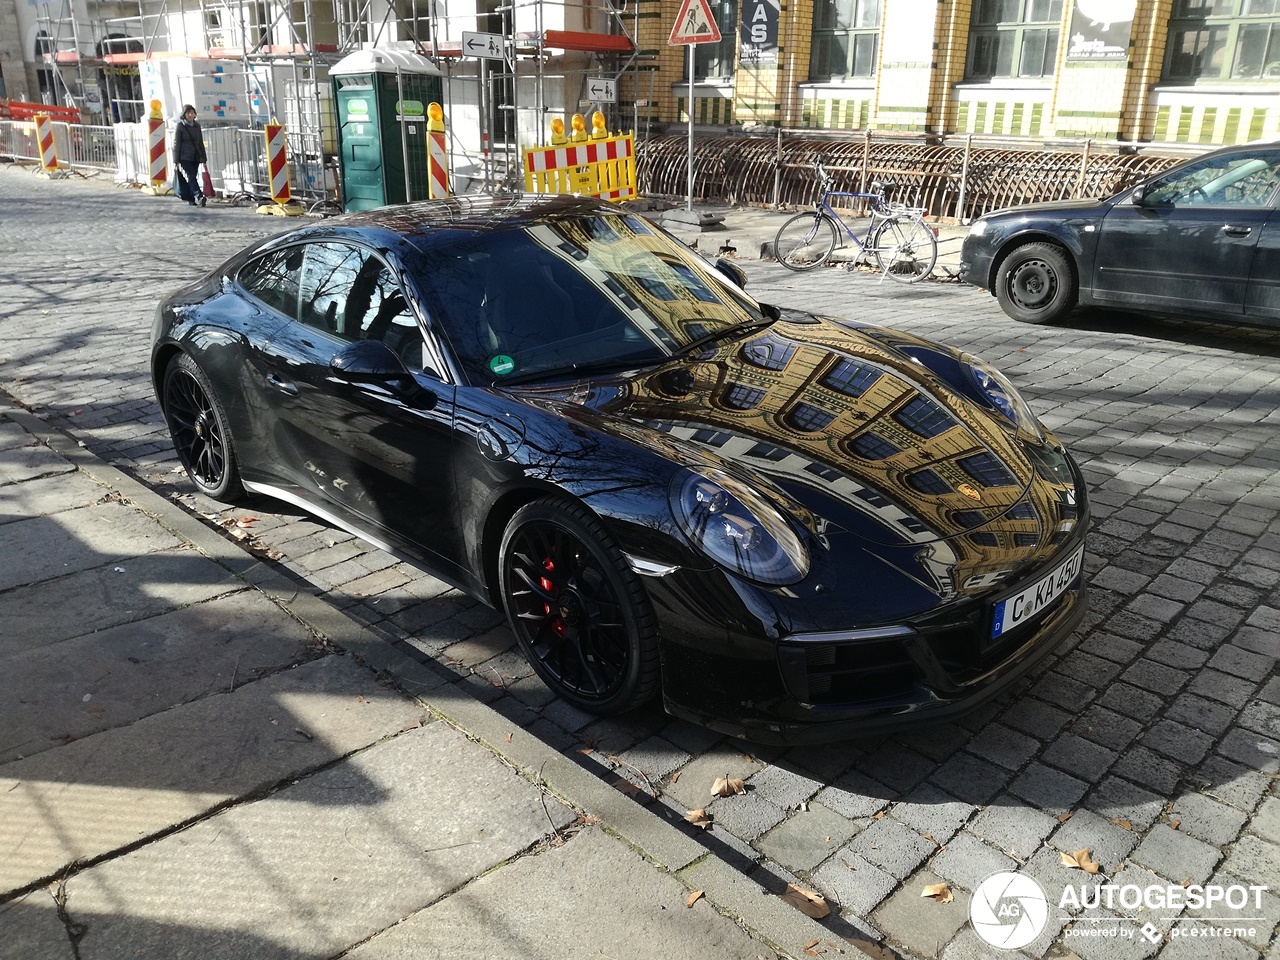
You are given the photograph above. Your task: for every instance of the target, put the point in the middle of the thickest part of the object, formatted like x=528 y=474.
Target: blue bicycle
x=904 y=246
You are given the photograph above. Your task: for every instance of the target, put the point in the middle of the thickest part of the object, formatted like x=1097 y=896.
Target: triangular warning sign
x=695 y=24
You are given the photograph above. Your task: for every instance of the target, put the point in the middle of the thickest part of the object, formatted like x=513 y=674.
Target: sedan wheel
x=579 y=612
x=199 y=430
x=1036 y=284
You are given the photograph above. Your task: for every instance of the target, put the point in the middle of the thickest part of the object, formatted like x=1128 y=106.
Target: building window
x=830 y=474
x=926 y=481
x=987 y=470
x=850 y=377
x=845 y=36
x=715 y=61
x=740 y=397
x=767 y=451
x=770 y=352
x=924 y=418
x=1013 y=38
x=809 y=419
x=712 y=438
x=1223 y=39
x=870 y=446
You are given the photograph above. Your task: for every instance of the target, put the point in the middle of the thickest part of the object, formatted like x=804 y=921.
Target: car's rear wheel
x=578 y=610
x=198 y=425
x=1035 y=283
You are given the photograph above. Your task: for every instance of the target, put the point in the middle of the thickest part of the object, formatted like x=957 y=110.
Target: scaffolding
x=278 y=53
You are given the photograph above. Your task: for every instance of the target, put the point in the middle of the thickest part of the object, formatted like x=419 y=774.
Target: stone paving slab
x=589 y=898
x=315 y=868
x=34 y=498
x=44 y=547
x=30 y=929
x=52 y=695
x=108 y=791
x=123 y=591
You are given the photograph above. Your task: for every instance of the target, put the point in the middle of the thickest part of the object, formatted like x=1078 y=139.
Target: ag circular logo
x=1008 y=910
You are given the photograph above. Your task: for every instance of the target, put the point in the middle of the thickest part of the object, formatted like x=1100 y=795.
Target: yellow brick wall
x=919 y=88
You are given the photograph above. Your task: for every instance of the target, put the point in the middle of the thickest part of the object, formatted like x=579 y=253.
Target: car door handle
x=284 y=385
x=1231 y=231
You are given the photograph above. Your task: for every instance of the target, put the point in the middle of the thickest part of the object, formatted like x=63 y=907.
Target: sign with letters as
x=759 y=31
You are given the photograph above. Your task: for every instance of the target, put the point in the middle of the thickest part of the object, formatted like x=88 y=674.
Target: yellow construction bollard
x=579 y=128
x=437 y=154
x=48 y=152
x=158 y=154
x=598 y=129
x=283 y=204
x=558 y=139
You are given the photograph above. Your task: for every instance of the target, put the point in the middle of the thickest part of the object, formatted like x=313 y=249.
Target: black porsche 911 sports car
x=794 y=527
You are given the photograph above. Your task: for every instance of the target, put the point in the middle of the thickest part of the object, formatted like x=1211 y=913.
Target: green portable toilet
x=379 y=94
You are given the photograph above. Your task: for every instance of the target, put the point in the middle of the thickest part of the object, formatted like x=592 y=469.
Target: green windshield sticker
x=502 y=364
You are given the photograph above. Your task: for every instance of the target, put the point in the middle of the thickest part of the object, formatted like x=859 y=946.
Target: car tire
x=579 y=612
x=1036 y=283
x=198 y=425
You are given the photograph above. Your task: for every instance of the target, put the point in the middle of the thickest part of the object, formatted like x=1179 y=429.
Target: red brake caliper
x=549 y=566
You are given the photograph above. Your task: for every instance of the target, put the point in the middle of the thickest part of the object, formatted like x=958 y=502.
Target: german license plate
x=1025 y=606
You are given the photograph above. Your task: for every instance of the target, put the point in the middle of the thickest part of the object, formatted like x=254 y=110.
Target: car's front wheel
x=1035 y=283
x=578 y=610
x=198 y=426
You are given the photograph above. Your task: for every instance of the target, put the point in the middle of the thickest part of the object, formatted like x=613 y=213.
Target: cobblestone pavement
x=1152 y=738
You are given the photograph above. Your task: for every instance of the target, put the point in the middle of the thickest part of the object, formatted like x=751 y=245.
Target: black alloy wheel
x=1036 y=283
x=578 y=610
x=199 y=430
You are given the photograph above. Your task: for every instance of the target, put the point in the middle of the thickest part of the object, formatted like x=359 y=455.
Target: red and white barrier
x=437 y=154
x=44 y=137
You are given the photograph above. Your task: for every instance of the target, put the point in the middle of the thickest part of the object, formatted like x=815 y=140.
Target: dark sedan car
x=1202 y=238
x=792 y=526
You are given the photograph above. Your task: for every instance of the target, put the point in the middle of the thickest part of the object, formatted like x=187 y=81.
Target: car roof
x=434 y=223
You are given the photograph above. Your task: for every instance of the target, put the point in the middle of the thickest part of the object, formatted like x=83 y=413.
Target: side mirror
x=372 y=361
x=734 y=272
x=1139 y=194
x=368 y=361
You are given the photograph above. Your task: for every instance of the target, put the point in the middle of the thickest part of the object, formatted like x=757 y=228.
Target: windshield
x=574 y=294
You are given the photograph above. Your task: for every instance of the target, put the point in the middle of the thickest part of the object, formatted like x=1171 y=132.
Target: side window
x=273 y=279
x=352 y=294
x=1236 y=181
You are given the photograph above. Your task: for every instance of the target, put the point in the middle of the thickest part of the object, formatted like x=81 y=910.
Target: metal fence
x=237 y=156
x=957 y=179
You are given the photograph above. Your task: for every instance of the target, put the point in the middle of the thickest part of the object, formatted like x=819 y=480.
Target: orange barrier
x=437 y=153
x=23 y=110
x=157 y=154
x=48 y=152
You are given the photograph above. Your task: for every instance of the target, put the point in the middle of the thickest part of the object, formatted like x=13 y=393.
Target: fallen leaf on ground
x=1122 y=823
x=507 y=738
x=806 y=901
x=727 y=787
x=693 y=898
x=940 y=892
x=699 y=818
x=878 y=815
x=675 y=777
x=1064 y=817
x=1080 y=861
x=586 y=751
x=246 y=521
x=1175 y=825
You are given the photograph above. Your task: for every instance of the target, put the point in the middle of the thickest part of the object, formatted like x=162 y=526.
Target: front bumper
x=977 y=257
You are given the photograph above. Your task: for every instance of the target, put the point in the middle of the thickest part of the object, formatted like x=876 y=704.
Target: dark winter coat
x=188 y=143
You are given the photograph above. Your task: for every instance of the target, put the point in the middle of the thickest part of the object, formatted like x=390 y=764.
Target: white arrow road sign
x=487 y=45
x=602 y=90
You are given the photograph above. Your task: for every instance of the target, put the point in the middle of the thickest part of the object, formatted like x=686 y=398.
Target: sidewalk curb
x=733 y=893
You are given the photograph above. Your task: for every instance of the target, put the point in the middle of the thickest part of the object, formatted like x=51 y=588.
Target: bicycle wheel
x=906 y=249
x=805 y=241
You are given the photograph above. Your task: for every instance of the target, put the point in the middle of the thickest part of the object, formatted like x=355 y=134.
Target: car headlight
x=737 y=528
x=1002 y=395
x=978 y=228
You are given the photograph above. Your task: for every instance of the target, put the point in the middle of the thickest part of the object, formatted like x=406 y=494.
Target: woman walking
x=188 y=153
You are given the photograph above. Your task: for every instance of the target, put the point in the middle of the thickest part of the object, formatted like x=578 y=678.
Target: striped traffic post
x=157 y=154
x=48 y=152
x=437 y=156
x=282 y=204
